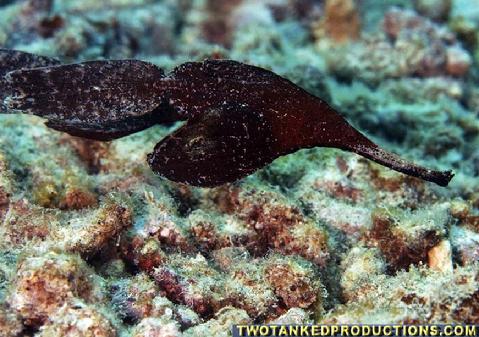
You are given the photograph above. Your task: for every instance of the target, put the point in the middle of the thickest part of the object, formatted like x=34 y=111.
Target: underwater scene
x=173 y=167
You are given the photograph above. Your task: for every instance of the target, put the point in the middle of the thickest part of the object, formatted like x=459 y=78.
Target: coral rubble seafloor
x=92 y=243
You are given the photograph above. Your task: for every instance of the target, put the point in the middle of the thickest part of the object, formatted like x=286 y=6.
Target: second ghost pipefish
x=239 y=117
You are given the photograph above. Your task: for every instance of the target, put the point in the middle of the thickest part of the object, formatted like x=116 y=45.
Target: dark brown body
x=238 y=117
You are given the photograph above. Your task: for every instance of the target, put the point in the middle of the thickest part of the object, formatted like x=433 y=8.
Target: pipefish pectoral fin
x=103 y=99
x=218 y=146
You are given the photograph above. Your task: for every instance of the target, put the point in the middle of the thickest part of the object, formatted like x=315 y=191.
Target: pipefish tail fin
x=11 y=60
x=96 y=96
x=393 y=161
x=348 y=138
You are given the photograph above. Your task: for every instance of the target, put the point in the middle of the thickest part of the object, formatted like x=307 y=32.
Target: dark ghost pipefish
x=239 y=118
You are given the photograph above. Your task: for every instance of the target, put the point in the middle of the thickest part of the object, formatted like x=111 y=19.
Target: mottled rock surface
x=92 y=243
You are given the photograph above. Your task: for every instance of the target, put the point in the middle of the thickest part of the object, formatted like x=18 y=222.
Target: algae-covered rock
x=78 y=320
x=45 y=284
x=418 y=296
x=93 y=243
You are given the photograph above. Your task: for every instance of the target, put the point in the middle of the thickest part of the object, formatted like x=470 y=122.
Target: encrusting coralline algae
x=94 y=244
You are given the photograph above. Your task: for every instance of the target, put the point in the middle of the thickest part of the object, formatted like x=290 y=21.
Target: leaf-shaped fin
x=221 y=145
x=96 y=92
x=15 y=60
